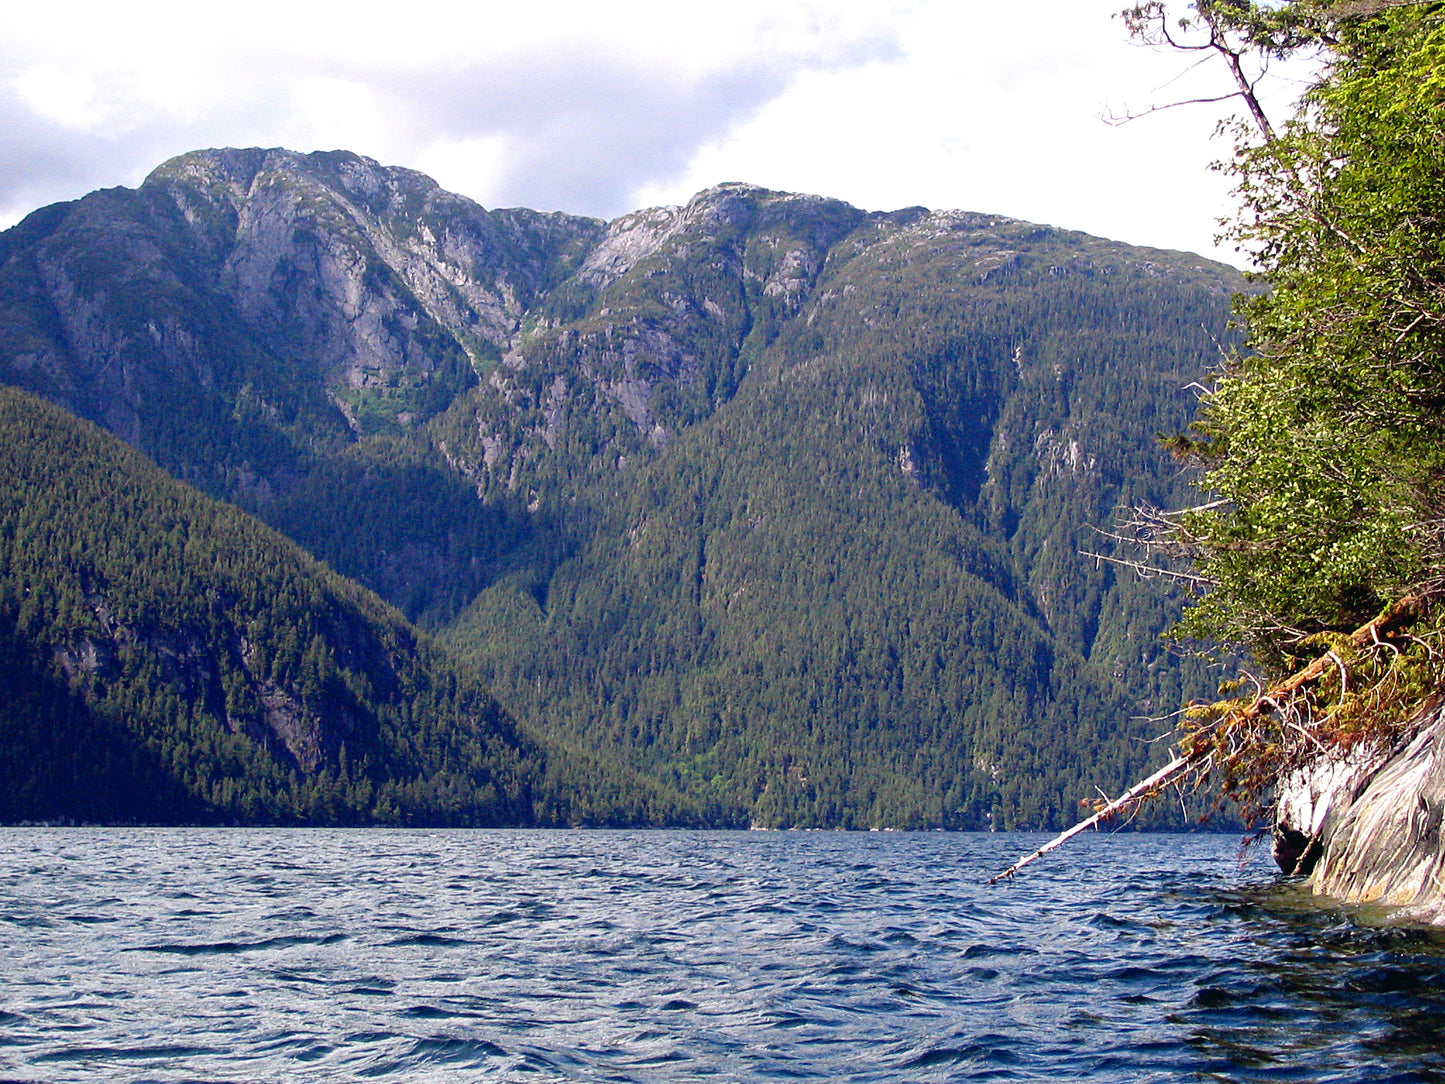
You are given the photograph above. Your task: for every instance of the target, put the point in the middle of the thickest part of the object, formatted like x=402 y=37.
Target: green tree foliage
x=166 y=658
x=1321 y=439
x=1319 y=444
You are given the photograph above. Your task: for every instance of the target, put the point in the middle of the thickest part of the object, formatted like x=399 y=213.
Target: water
x=260 y=955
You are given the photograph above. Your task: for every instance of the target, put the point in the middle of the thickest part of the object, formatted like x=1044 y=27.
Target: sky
x=603 y=108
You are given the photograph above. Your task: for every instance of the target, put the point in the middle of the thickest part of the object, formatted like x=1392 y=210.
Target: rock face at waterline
x=778 y=501
x=1369 y=830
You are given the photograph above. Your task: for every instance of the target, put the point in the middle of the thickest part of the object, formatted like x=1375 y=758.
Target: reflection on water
x=184 y=955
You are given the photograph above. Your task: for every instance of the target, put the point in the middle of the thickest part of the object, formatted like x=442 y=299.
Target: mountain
x=247 y=316
x=166 y=658
x=776 y=500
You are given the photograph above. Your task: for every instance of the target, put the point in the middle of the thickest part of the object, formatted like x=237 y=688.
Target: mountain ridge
x=608 y=461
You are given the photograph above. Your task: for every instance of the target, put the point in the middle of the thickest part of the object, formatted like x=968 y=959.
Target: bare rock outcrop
x=1367 y=829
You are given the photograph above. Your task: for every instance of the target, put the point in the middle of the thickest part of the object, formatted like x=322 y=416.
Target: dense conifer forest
x=786 y=505
x=165 y=658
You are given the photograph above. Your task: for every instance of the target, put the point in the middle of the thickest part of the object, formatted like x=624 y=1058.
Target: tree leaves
x=1324 y=459
x=1330 y=417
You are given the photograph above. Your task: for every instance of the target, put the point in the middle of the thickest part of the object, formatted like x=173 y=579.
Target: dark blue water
x=226 y=955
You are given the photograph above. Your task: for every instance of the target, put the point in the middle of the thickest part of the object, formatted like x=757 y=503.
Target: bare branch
x=1116 y=120
x=1175 y=769
x=1151 y=571
x=1150 y=24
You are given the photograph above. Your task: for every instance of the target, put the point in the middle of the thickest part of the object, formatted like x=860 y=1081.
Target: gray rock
x=1367 y=828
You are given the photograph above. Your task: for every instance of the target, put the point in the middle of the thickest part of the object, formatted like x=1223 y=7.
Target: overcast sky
x=600 y=108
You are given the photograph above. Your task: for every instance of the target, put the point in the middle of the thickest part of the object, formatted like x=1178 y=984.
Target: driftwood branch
x=1198 y=755
x=1172 y=771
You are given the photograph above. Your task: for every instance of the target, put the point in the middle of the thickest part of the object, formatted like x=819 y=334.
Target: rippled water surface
x=298 y=955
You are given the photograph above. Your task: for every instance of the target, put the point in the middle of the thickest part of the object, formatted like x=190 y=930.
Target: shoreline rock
x=1368 y=828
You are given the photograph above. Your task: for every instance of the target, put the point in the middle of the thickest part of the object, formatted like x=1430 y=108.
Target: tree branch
x=1198 y=755
x=1175 y=769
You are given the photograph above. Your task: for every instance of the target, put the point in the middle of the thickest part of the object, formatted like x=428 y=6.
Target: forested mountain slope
x=776 y=499
x=854 y=588
x=166 y=658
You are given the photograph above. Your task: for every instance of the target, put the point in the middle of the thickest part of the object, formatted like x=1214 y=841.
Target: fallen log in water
x=1176 y=769
x=1369 y=827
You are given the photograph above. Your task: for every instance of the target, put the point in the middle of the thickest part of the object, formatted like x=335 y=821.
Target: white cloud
x=466 y=165
x=984 y=111
x=600 y=108
x=333 y=113
x=66 y=97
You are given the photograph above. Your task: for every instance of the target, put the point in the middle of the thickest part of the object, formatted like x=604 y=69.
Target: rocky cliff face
x=654 y=332
x=1368 y=829
x=369 y=287
x=252 y=319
